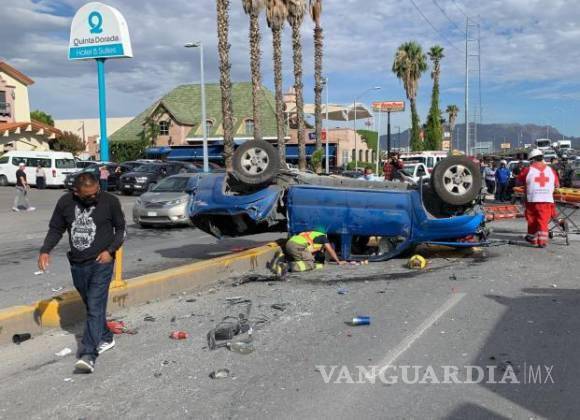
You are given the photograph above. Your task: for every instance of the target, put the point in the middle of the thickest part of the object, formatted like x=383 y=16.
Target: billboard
x=99 y=31
x=389 y=106
x=505 y=146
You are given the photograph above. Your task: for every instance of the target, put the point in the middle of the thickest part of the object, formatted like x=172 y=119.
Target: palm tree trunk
x=223 y=7
x=298 y=87
x=415 y=135
x=318 y=48
x=255 y=57
x=280 y=124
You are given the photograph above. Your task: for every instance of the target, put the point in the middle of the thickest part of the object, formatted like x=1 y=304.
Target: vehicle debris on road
x=64 y=352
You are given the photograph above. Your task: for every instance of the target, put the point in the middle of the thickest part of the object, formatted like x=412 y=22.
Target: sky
x=530 y=60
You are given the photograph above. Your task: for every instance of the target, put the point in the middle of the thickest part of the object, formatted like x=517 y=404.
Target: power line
x=464 y=13
x=447 y=16
x=433 y=26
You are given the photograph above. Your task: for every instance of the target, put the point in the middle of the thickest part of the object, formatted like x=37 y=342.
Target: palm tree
x=253 y=9
x=296 y=12
x=434 y=133
x=409 y=64
x=223 y=25
x=315 y=12
x=453 y=111
x=276 y=14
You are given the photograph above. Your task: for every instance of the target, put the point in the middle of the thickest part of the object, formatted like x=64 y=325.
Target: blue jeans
x=104 y=183
x=92 y=279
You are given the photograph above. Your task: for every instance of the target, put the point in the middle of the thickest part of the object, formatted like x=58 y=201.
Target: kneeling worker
x=302 y=248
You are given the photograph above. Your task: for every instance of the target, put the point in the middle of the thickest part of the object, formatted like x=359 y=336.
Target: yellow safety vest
x=307 y=239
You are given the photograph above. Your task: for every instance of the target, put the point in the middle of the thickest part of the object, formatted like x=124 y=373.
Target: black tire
x=456 y=180
x=256 y=162
x=3 y=181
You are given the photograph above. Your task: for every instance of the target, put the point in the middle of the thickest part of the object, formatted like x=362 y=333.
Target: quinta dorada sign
x=99 y=31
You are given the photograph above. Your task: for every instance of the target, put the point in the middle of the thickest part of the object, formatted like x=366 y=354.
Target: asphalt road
x=146 y=250
x=507 y=310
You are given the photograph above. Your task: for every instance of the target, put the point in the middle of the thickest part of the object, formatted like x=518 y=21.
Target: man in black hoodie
x=96 y=228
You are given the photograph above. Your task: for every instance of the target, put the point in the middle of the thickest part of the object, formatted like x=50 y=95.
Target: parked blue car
x=349 y=215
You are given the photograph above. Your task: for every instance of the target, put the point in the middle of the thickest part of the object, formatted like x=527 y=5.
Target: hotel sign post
x=388 y=107
x=99 y=32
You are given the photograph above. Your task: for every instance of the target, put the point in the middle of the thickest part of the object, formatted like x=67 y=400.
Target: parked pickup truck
x=444 y=210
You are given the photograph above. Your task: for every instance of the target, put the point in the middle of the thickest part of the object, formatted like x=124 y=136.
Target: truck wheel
x=256 y=162
x=456 y=180
x=3 y=181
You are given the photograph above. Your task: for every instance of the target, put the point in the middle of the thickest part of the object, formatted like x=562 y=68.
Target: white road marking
x=408 y=341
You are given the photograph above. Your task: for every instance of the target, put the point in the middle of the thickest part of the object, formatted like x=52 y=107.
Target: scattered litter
x=118 y=327
x=173 y=319
x=256 y=278
x=242 y=347
x=342 y=291
x=381 y=291
x=555 y=286
x=220 y=374
x=69 y=380
x=20 y=338
x=234 y=300
x=417 y=262
x=453 y=277
x=64 y=352
x=361 y=320
x=39 y=273
x=57 y=289
x=230 y=326
x=149 y=318
x=280 y=306
x=178 y=335
x=191 y=300
x=157 y=374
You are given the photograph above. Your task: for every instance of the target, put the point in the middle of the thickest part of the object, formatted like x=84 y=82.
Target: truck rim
x=458 y=180
x=255 y=161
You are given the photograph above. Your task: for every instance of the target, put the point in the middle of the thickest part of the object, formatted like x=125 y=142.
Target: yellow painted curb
x=67 y=307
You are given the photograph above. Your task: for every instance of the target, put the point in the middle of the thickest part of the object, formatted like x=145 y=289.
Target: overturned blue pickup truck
x=259 y=196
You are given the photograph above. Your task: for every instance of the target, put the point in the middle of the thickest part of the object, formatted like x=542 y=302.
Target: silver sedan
x=166 y=204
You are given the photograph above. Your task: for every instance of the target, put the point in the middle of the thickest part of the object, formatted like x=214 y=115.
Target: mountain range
x=517 y=135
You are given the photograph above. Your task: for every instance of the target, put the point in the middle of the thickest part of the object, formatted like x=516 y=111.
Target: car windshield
x=148 y=168
x=65 y=164
x=409 y=170
x=172 y=184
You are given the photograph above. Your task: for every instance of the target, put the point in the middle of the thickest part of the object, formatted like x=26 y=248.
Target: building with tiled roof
x=177 y=116
x=17 y=131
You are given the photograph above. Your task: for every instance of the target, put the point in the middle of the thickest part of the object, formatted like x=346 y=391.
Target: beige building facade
x=17 y=131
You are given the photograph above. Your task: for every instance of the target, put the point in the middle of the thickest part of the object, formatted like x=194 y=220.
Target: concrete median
x=66 y=308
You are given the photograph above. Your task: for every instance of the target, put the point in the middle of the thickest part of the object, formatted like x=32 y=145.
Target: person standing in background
x=489 y=176
x=502 y=179
x=104 y=178
x=40 y=177
x=22 y=189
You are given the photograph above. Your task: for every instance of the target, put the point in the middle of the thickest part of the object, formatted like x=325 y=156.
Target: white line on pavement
x=408 y=341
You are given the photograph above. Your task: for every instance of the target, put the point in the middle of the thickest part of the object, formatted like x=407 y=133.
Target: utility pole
x=467 y=85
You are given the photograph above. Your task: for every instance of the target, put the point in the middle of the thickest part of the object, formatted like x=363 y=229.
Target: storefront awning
x=338 y=112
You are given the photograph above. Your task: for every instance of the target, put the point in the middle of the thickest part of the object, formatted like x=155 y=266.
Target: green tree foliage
x=409 y=64
x=122 y=151
x=68 y=142
x=42 y=117
x=434 y=130
x=370 y=137
x=316 y=160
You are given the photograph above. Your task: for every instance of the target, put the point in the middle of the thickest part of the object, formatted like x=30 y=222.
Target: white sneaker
x=104 y=346
x=16 y=209
x=85 y=365
x=31 y=209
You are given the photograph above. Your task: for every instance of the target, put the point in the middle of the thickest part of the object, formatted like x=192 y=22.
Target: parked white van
x=57 y=166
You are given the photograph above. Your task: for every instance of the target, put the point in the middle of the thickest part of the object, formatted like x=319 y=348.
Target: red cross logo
x=542 y=180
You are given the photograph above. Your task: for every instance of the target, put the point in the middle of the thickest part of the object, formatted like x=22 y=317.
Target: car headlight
x=141 y=179
x=177 y=201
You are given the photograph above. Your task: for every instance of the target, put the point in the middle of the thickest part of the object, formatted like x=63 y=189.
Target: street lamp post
x=203 y=114
x=326 y=129
x=355 y=138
